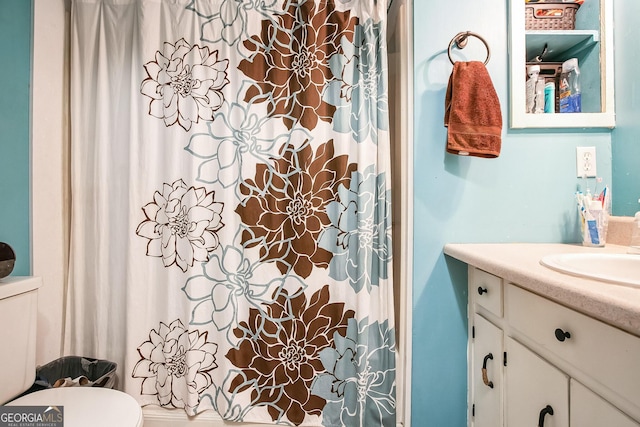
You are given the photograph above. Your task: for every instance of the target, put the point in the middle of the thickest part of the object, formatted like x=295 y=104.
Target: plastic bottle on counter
x=570 y=94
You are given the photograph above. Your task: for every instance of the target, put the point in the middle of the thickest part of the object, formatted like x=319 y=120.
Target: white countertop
x=519 y=263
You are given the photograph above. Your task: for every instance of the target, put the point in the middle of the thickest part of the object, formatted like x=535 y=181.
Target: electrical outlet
x=586 y=162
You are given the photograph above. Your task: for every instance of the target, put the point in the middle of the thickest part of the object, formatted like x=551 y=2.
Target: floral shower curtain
x=231 y=230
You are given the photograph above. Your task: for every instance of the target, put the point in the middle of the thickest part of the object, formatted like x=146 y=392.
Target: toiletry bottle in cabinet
x=533 y=72
x=570 y=92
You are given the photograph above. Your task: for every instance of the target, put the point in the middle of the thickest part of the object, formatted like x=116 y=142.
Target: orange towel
x=472 y=112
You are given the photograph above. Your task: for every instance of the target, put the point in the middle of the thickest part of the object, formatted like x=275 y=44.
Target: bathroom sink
x=616 y=268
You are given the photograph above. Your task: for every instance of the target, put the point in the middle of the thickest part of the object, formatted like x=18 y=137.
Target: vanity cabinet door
x=487 y=373
x=536 y=393
x=590 y=410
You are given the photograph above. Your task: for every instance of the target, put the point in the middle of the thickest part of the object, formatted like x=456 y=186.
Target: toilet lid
x=88 y=406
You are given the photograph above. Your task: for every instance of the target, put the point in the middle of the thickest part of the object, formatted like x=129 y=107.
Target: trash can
x=77 y=371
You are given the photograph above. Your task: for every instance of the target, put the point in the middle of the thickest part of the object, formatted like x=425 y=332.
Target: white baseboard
x=155 y=416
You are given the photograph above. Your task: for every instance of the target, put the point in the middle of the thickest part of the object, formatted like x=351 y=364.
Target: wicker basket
x=563 y=18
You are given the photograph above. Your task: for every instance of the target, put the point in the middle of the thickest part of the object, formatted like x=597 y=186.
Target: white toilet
x=82 y=406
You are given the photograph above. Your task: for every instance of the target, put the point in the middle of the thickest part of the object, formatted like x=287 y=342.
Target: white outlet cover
x=586 y=162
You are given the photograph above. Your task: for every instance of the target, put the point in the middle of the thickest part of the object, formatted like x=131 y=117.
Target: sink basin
x=616 y=268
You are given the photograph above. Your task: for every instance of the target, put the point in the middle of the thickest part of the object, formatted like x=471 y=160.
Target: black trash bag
x=76 y=371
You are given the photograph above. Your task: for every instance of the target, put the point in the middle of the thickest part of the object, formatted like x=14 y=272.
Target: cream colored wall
x=49 y=191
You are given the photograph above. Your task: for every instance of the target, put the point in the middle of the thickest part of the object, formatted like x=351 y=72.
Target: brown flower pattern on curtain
x=184 y=83
x=280 y=355
x=181 y=224
x=176 y=364
x=291 y=60
x=285 y=205
x=288 y=224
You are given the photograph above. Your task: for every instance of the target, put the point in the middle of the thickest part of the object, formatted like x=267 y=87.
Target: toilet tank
x=18 y=317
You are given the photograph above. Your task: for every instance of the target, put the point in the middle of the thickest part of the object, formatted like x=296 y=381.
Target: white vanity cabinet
x=550 y=365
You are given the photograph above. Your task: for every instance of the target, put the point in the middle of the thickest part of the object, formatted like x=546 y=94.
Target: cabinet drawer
x=586 y=343
x=487 y=291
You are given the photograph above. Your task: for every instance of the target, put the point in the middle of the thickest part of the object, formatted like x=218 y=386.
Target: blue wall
x=15 y=77
x=525 y=195
x=625 y=139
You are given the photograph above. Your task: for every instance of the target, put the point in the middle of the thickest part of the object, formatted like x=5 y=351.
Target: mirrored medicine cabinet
x=591 y=42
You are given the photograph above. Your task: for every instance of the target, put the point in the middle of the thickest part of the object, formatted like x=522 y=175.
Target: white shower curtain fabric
x=231 y=228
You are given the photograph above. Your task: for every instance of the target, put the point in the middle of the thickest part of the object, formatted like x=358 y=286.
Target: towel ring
x=461 y=39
